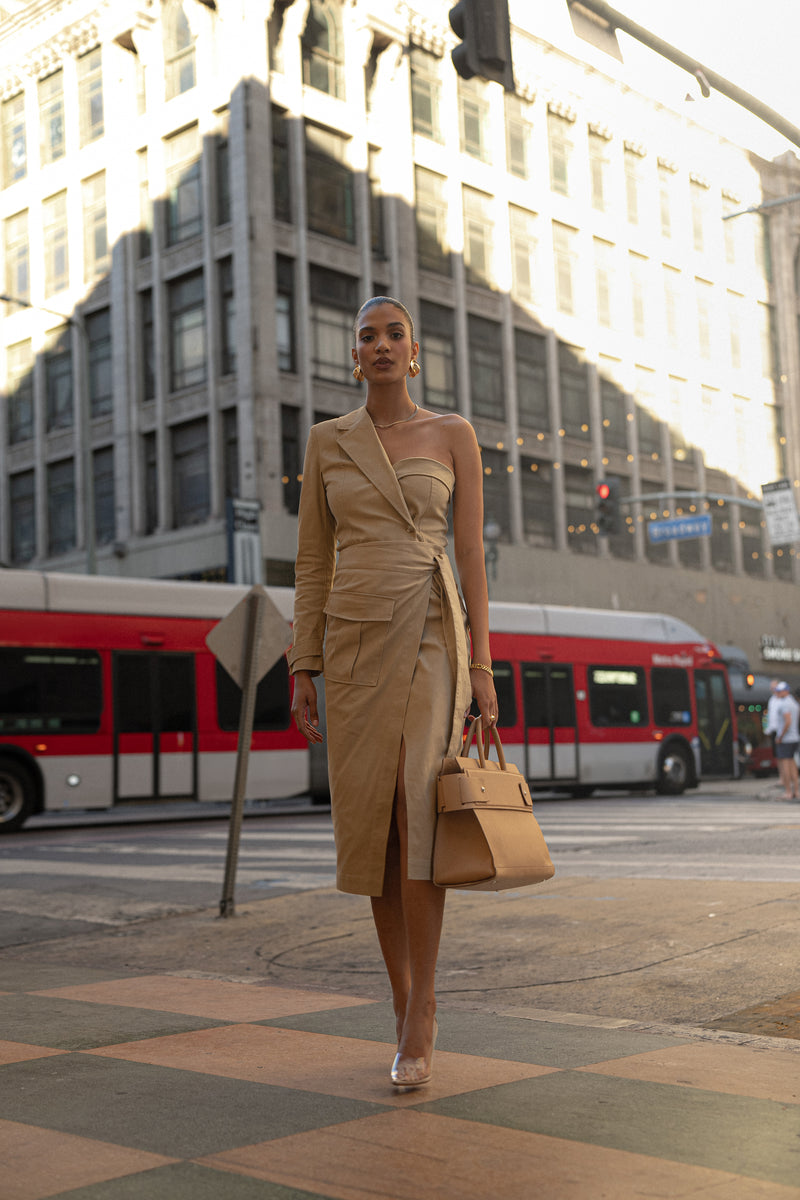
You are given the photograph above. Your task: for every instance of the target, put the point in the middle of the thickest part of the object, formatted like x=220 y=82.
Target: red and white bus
x=108 y=694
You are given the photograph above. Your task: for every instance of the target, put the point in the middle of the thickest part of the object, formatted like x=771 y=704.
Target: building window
x=604 y=282
x=184 y=190
x=633 y=185
x=559 y=140
x=19 y=374
x=486 y=376
x=439 y=376
x=768 y=337
x=638 y=269
x=22 y=505
x=495 y=491
x=648 y=422
x=15 y=142
x=227 y=316
x=191 y=494
x=58 y=381
x=473 y=113
x=230 y=451
x=565 y=258
x=519 y=131
x=329 y=185
x=599 y=171
x=763 y=247
x=580 y=499
x=17 y=280
x=433 y=251
x=105 y=527
x=530 y=359
x=187 y=331
x=61 y=507
x=478 y=237
x=56 y=257
x=323 y=48
x=284 y=313
x=281 y=172
x=96 y=257
x=613 y=408
x=730 y=230
x=145 y=207
x=98 y=334
x=678 y=445
x=666 y=177
x=703 y=299
x=291 y=451
x=522 y=228
x=672 y=307
x=698 y=194
x=90 y=95
x=538 y=510
x=426 y=90
x=148 y=346
x=179 y=56
x=222 y=174
x=376 y=205
x=150 y=471
x=736 y=328
x=334 y=301
x=573 y=386
x=51 y=118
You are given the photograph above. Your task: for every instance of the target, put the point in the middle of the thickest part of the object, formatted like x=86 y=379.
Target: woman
x=377 y=484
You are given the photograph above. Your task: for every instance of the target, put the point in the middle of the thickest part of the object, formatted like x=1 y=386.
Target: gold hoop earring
x=414 y=368
x=358 y=373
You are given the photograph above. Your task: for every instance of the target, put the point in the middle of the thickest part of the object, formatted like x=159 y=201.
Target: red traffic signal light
x=606 y=513
x=485 y=32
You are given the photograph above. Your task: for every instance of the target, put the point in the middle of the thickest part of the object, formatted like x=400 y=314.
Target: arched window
x=179 y=64
x=323 y=51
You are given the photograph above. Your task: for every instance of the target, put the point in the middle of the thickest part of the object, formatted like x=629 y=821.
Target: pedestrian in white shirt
x=787 y=739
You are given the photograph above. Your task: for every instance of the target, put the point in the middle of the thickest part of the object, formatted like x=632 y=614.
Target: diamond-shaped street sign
x=227 y=641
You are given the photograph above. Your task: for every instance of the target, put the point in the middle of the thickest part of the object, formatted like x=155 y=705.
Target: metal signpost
x=244 y=541
x=248 y=642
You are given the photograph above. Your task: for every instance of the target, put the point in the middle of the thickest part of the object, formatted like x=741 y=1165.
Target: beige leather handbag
x=487 y=838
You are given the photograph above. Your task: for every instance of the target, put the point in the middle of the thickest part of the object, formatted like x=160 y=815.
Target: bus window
x=617 y=696
x=50 y=691
x=672 y=703
x=272 y=699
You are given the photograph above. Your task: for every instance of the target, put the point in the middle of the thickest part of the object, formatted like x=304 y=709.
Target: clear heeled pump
x=414 y=1072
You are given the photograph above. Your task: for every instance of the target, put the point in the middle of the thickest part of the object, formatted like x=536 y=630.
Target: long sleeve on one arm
x=316 y=556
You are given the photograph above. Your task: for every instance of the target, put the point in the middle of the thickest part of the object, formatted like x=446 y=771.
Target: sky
x=752 y=43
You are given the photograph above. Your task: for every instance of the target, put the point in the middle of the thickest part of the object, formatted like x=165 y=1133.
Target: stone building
x=207 y=191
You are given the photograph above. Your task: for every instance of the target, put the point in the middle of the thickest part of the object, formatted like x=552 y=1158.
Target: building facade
x=207 y=192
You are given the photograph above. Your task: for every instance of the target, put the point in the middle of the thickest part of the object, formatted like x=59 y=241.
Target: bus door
x=155 y=742
x=714 y=723
x=551 y=735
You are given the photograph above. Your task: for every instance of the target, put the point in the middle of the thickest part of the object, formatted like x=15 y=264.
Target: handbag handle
x=475 y=730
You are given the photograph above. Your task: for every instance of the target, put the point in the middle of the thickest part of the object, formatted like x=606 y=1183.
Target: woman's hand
x=485 y=696
x=304 y=706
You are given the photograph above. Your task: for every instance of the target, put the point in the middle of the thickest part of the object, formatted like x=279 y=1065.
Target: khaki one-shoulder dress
x=377 y=611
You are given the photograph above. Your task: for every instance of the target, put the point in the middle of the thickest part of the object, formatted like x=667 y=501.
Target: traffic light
x=607 y=507
x=485 y=32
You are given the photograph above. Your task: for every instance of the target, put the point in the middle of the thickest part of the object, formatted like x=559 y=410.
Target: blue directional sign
x=679 y=527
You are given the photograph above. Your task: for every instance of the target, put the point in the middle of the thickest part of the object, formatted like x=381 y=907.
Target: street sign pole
x=255 y=601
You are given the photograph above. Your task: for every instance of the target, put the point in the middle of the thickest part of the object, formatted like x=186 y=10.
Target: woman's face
x=383 y=346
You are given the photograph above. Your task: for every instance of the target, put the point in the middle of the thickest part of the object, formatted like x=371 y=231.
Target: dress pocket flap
x=359 y=606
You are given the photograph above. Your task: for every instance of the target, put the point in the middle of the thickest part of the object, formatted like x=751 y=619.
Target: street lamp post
x=491 y=536
x=77 y=322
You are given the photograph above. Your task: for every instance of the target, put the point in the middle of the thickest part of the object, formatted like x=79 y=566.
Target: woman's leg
x=387 y=913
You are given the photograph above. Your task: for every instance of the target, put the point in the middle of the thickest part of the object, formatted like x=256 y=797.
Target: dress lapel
x=356 y=435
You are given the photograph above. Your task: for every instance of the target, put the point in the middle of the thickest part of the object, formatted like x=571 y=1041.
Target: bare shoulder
x=455 y=428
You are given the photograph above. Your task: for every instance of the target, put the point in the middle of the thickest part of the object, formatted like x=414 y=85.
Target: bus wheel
x=674 y=771
x=16 y=796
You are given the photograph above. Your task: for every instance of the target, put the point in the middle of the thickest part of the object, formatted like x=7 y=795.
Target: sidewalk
x=188 y=1087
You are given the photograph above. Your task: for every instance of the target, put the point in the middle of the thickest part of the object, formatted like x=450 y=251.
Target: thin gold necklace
x=399 y=421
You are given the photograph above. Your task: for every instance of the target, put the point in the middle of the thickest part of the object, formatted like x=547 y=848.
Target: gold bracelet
x=473 y=666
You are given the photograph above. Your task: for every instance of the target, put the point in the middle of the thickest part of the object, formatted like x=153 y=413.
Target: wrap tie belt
x=419 y=560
